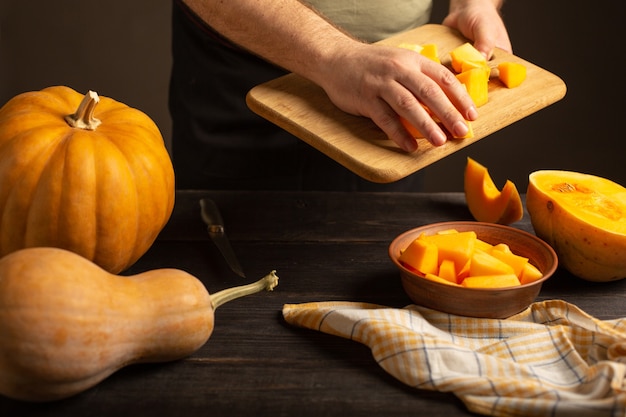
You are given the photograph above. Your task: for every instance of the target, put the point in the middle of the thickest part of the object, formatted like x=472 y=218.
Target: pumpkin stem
x=83 y=118
x=266 y=283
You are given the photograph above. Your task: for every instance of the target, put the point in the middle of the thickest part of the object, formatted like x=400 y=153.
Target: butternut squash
x=66 y=324
x=583 y=217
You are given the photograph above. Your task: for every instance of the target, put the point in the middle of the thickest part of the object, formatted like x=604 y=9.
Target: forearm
x=284 y=32
x=375 y=81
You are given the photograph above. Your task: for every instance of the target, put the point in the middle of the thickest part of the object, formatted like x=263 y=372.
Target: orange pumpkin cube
x=447 y=270
x=512 y=74
x=468 y=54
x=464 y=272
x=422 y=256
x=476 y=80
x=502 y=247
x=457 y=247
x=411 y=129
x=411 y=46
x=530 y=273
x=518 y=263
x=482 y=263
x=468 y=65
x=491 y=281
x=438 y=279
x=430 y=51
x=482 y=245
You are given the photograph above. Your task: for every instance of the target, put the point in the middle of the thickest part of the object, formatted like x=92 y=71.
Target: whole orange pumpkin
x=84 y=173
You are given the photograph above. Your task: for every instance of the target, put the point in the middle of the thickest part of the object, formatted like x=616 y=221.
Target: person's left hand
x=479 y=21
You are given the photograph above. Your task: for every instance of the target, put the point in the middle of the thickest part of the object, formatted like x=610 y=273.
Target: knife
x=215 y=226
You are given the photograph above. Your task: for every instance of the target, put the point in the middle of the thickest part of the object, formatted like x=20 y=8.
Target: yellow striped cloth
x=552 y=359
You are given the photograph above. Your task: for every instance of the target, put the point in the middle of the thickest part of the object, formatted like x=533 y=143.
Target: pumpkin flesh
x=485 y=201
x=583 y=217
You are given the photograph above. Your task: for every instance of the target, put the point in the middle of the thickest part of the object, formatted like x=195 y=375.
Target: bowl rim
x=546 y=274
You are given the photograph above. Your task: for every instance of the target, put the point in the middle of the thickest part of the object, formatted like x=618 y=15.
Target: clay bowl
x=474 y=302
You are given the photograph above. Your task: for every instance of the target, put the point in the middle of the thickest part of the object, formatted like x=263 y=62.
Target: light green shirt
x=373 y=20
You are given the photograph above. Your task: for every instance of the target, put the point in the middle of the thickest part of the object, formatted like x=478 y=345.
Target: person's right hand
x=384 y=83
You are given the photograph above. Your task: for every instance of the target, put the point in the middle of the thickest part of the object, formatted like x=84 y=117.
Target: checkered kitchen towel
x=552 y=359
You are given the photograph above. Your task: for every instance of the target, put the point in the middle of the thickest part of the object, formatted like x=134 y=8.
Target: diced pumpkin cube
x=512 y=74
x=491 y=281
x=466 y=53
x=502 y=247
x=458 y=247
x=447 y=270
x=530 y=273
x=422 y=256
x=447 y=231
x=477 y=83
x=515 y=261
x=411 y=129
x=468 y=65
x=484 y=246
x=483 y=263
x=411 y=46
x=438 y=279
x=465 y=271
x=430 y=51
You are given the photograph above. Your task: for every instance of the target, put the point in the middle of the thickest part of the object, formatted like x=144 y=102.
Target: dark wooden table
x=324 y=246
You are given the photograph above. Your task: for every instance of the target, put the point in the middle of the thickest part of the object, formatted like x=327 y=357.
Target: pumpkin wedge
x=583 y=217
x=485 y=201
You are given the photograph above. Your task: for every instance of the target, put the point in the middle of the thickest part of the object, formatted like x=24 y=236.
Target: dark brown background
x=122 y=50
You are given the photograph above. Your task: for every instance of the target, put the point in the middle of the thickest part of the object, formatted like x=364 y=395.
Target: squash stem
x=266 y=283
x=83 y=118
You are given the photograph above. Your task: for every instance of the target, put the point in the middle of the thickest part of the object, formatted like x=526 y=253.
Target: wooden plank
x=302 y=108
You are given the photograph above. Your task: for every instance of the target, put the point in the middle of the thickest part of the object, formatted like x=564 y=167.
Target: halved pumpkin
x=485 y=201
x=583 y=217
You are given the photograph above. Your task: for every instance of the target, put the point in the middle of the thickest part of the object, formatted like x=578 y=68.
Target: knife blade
x=215 y=226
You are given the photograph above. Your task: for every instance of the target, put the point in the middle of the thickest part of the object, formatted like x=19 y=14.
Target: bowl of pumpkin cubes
x=473 y=269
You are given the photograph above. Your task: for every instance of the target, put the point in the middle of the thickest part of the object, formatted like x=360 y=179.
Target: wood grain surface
x=325 y=247
x=303 y=109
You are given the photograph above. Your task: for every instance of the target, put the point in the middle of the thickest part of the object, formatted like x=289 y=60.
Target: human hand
x=479 y=21
x=383 y=83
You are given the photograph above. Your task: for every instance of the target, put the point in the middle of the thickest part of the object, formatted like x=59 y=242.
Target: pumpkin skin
x=583 y=217
x=66 y=324
x=485 y=201
x=104 y=192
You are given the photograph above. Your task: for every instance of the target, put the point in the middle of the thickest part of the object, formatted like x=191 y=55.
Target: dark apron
x=218 y=143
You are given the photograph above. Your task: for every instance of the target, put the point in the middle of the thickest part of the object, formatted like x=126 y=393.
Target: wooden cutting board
x=303 y=109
